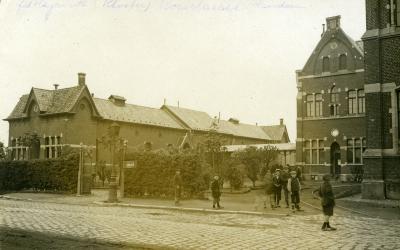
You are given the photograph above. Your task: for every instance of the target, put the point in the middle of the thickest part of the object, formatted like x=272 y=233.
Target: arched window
x=310 y=105
x=361 y=101
x=342 y=62
x=334 y=95
x=326 y=64
x=352 y=98
x=318 y=105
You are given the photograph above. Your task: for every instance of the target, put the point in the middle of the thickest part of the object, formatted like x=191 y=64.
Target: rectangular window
x=314 y=151
x=321 y=155
x=398 y=12
x=355 y=148
x=352 y=98
x=310 y=105
x=52 y=147
x=350 y=151
x=318 y=105
x=357 y=151
x=361 y=101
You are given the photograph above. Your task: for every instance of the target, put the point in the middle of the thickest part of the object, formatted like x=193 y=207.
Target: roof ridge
x=130 y=104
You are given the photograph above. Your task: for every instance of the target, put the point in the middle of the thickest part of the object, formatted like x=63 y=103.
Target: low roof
x=194 y=119
x=279 y=146
x=275 y=132
x=135 y=114
x=199 y=120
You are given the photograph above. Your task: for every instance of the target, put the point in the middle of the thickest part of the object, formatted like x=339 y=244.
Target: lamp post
x=113 y=132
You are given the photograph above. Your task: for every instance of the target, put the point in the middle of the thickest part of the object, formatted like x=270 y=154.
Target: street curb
x=6 y=197
x=187 y=209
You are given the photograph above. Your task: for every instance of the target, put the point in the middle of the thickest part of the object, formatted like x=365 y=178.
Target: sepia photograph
x=199 y=124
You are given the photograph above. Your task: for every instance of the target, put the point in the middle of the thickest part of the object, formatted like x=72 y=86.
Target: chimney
x=165 y=101
x=333 y=23
x=323 y=29
x=81 y=79
x=281 y=122
x=56 y=86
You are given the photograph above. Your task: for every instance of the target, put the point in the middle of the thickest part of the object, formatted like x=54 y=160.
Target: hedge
x=154 y=172
x=50 y=174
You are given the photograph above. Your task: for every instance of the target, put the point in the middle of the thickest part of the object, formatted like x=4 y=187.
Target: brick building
x=382 y=84
x=331 y=106
x=70 y=116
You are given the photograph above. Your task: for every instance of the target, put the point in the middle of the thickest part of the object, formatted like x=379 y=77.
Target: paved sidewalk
x=248 y=203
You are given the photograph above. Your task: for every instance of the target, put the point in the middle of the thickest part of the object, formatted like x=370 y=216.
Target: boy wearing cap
x=276 y=180
x=294 y=188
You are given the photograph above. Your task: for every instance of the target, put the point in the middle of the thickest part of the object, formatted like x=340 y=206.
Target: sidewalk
x=247 y=203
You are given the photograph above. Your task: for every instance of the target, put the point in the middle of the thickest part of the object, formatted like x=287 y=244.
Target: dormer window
x=117 y=100
x=325 y=64
x=342 y=62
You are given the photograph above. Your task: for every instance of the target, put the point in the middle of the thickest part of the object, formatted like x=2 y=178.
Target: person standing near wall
x=327 y=201
x=178 y=187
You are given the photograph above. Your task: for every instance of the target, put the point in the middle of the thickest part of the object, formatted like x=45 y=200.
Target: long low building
x=52 y=119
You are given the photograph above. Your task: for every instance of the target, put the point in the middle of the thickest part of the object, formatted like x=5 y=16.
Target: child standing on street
x=327 y=202
x=269 y=191
x=294 y=188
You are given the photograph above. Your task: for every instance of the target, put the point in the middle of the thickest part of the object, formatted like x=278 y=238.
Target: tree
x=251 y=158
x=212 y=145
x=268 y=155
x=256 y=159
x=232 y=170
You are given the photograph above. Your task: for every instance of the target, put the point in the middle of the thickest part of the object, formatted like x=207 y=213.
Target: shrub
x=154 y=172
x=51 y=174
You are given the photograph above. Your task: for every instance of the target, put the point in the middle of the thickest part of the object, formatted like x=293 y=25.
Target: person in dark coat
x=294 y=189
x=269 y=191
x=276 y=180
x=178 y=186
x=284 y=181
x=216 y=191
x=327 y=202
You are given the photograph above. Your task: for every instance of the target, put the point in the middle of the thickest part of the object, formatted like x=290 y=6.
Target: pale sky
x=236 y=57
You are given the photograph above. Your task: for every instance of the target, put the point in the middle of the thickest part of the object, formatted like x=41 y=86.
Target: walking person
x=277 y=187
x=178 y=187
x=216 y=192
x=284 y=181
x=327 y=201
x=294 y=188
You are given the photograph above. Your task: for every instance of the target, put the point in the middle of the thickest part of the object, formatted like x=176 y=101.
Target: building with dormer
x=69 y=116
x=331 y=106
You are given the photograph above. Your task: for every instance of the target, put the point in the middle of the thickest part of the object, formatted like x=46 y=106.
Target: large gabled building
x=331 y=106
x=71 y=116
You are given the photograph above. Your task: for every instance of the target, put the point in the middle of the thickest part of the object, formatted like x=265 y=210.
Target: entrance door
x=335 y=158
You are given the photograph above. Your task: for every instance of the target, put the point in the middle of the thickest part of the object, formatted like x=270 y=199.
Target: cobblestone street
x=163 y=229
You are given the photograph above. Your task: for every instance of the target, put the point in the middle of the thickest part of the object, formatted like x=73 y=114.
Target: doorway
x=335 y=159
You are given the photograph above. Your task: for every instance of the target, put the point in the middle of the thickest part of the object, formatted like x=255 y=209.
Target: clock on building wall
x=335 y=132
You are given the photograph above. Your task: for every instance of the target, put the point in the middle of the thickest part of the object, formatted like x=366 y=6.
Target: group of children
x=287 y=181
x=290 y=183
